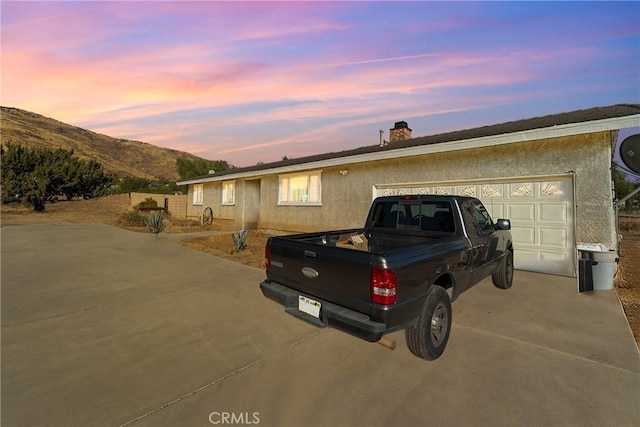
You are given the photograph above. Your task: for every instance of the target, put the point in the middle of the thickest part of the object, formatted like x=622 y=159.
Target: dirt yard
x=110 y=210
x=627 y=279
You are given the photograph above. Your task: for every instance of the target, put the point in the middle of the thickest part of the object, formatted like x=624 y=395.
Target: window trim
x=224 y=192
x=308 y=175
x=198 y=194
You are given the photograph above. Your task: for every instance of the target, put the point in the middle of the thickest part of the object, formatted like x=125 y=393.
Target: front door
x=251 y=208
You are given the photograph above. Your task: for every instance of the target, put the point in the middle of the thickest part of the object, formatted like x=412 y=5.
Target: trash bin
x=596 y=266
x=585 y=272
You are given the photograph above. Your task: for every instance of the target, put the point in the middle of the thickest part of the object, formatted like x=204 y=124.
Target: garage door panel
x=553 y=212
x=496 y=210
x=543 y=261
x=492 y=190
x=554 y=189
x=552 y=267
x=521 y=189
x=522 y=212
x=524 y=235
x=553 y=256
x=525 y=259
x=556 y=237
x=556 y=263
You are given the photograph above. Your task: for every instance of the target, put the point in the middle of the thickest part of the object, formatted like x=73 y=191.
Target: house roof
x=582 y=121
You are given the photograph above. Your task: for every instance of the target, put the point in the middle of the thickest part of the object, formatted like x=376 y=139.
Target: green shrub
x=156 y=223
x=132 y=219
x=147 y=203
x=239 y=238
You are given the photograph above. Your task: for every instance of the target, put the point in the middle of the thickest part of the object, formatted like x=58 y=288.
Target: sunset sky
x=251 y=82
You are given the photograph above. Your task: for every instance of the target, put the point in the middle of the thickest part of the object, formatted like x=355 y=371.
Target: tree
x=35 y=176
x=623 y=187
x=130 y=184
x=189 y=168
x=25 y=176
x=91 y=179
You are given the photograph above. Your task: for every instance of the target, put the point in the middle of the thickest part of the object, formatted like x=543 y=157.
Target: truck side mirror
x=503 y=224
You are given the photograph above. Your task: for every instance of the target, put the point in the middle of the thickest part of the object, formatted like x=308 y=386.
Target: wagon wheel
x=207 y=216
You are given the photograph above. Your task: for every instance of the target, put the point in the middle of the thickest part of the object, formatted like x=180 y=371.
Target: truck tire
x=503 y=277
x=429 y=337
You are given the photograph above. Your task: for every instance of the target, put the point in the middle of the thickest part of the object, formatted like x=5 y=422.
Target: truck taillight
x=384 y=284
x=267 y=257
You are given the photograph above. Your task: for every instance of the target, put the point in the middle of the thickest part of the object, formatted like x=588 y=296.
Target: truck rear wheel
x=429 y=337
x=503 y=277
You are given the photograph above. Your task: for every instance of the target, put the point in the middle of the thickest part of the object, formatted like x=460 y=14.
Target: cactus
x=156 y=223
x=239 y=238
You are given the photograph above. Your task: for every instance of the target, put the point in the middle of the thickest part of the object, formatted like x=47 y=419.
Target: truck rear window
x=414 y=215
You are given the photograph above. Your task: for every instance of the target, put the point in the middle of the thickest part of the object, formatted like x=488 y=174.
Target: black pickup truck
x=413 y=257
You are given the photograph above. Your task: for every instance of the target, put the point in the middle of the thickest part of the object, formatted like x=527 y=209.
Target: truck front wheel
x=429 y=337
x=503 y=278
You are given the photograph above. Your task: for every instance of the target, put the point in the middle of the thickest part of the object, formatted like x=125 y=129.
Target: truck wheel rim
x=439 y=324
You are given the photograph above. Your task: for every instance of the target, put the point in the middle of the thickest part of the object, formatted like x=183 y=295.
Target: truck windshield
x=414 y=215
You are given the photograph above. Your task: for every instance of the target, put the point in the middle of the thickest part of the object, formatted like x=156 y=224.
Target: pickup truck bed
x=374 y=241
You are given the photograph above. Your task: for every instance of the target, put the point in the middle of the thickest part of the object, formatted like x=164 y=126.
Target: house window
x=551 y=189
x=197 y=194
x=522 y=190
x=491 y=190
x=300 y=189
x=229 y=193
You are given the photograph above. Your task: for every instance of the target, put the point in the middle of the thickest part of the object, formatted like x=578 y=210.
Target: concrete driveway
x=102 y=326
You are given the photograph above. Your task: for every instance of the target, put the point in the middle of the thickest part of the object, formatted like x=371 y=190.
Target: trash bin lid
x=592 y=247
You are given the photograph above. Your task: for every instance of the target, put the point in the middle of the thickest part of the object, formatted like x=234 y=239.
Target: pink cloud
x=120 y=66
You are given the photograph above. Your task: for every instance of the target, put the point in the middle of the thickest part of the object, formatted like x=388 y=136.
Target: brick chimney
x=399 y=132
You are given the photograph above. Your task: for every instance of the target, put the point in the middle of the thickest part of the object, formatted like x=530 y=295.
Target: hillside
x=118 y=156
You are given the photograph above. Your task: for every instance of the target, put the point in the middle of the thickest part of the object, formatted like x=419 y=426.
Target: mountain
x=121 y=157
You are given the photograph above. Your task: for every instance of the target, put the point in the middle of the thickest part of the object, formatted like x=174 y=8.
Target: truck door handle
x=309 y=254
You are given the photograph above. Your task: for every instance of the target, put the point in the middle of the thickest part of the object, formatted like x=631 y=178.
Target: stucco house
x=550 y=175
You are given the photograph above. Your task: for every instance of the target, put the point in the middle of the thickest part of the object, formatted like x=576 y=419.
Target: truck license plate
x=309 y=306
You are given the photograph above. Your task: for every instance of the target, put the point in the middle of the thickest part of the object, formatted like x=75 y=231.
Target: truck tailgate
x=333 y=274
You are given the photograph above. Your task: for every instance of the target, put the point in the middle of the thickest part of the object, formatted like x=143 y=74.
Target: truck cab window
x=483 y=218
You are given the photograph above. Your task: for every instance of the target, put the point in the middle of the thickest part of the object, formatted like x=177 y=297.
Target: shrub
x=156 y=223
x=147 y=203
x=239 y=238
x=133 y=219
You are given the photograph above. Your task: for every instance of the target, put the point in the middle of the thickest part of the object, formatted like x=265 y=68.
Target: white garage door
x=541 y=213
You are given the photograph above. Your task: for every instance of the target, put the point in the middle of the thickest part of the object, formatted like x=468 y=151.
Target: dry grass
x=221 y=245
x=103 y=210
x=627 y=280
x=109 y=210
x=630 y=225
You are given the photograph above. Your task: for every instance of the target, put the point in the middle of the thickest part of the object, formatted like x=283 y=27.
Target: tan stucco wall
x=346 y=199
x=177 y=202
x=227 y=217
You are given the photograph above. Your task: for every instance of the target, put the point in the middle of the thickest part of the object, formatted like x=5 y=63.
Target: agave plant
x=155 y=223
x=239 y=238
